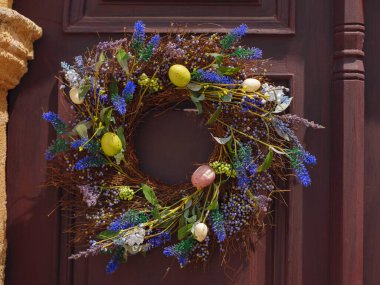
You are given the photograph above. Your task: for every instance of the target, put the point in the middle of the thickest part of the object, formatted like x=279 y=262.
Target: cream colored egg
x=251 y=85
x=74 y=96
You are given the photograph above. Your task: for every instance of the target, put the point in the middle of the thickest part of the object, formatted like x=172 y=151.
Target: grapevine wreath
x=121 y=211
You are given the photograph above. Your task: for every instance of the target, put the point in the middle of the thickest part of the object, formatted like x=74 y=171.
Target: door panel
x=113 y=16
x=372 y=142
x=294 y=251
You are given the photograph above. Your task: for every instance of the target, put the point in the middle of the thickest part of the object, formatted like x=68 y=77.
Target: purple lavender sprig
x=56 y=122
x=128 y=91
x=127 y=220
x=115 y=260
x=58 y=146
x=242 y=165
x=138 y=37
x=158 y=240
x=233 y=36
x=89 y=162
x=298 y=157
x=248 y=53
x=91 y=251
x=119 y=104
x=150 y=48
x=181 y=250
x=294 y=119
x=212 y=77
x=263 y=202
x=92 y=146
x=90 y=194
x=217 y=225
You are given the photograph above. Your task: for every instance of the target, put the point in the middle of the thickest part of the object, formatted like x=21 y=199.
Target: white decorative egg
x=251 y=85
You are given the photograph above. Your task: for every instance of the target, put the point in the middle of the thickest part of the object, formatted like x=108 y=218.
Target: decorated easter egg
x=203 y=176
x=74 y=96
x=111 y=144
x=251 y=84
x=200 y=231
x=179 y=75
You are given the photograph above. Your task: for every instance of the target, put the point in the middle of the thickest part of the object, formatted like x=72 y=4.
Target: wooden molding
x=108 y=16
x=347 y=144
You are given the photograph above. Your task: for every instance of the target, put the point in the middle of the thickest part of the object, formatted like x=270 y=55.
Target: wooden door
x=297 y=35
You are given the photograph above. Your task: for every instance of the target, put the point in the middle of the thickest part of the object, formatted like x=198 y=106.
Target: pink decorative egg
x=203 y=176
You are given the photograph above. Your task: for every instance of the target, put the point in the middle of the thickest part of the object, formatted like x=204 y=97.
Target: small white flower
x=274 y=93
x=73 y=78
x=136 y=237
x=134 y=249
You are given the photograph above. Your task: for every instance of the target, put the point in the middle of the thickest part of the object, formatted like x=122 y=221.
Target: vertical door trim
x=347 y=115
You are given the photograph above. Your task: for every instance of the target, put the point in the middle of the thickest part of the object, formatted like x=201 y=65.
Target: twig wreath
x=118 y=209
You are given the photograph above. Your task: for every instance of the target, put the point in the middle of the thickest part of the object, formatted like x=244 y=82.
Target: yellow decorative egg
x=179 y=75
x=74 y=96
x=111 y=144
x=251 y=85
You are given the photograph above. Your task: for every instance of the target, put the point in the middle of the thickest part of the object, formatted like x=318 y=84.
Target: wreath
x=119 y=210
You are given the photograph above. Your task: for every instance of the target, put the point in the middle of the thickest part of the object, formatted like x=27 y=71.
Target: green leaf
x=267 y=162
x=189 y=204
x=186 y=213
x=119 y=157
x=250 y=194
x=193 y=218
x=197 y=104
x=277 y=151
x=222 y=140
x=199 y=98
x=283 y=106
x=81 y=130
x=228 y=70
x=214 y=116
x=181 y=222
x=100 y=61
x=149 y=194
x=227 y=98
x=114 y=91
x=156 y=213
x=83 y=90
x=105 y=116
x=229 y=146
x=122 y=58
x=213 y=205
x=218 y=57
x=184 y=231
x=194 y=87
x=107 y=234
x=120 y=134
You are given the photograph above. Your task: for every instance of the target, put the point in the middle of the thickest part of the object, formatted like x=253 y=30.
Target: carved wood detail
x=151 y=2
x=348 y=144
x=108 y=16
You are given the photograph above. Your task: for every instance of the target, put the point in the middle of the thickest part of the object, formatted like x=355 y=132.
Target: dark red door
x=297 y=35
